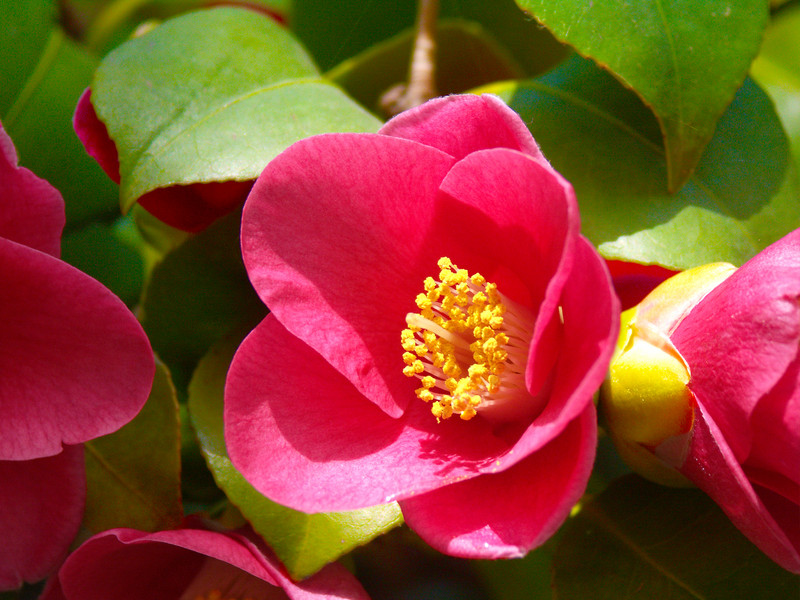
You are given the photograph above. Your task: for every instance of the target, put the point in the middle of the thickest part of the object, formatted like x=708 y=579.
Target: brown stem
x=422 y=70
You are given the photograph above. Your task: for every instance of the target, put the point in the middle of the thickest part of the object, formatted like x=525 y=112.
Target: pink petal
x=168 y=565
x=343 y=452
x=93 y=134
x=460 y=125
x=75 y=362
x=587 y=338
x=41 y=507
x=712 y=466
x=335 y=239
x=740 y=339
x=775 y=425
x=31 y=210
x=505 y=515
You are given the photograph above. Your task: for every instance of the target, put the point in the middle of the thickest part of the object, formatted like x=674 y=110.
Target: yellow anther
x=458 y=331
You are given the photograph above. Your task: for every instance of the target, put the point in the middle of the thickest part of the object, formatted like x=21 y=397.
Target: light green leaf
x=777 y=70
x=304 y=542
x=742 y=196
x=685 y=58
x=641 y=540
x=213 y=96
x=133 y=475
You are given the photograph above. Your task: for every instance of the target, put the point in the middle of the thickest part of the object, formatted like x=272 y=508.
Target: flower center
x=468 y=345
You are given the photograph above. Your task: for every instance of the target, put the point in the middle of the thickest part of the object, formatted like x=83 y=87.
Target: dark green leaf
x=27 y=25
x=685 y=58
x=213 y=96
x=304 y=542
x=196 y=294
x=640 y=540
x=742 y=196
x=133 y=475
x=467 y=57
x=101 y=250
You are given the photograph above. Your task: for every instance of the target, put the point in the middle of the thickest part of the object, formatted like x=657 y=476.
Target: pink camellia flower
x=188 y=564
x=705 y=387
x=191 y=207
x=438 y=328
x=75 y=365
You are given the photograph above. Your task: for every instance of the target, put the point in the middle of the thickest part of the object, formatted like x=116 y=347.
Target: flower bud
x=646 y=402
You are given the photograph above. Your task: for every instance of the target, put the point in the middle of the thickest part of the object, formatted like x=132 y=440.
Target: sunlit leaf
x=641 y=540
x=213 y=96
x=685 y=58
x=133 y=475
x=742 y=196
x=304 y=542
x=777 y=70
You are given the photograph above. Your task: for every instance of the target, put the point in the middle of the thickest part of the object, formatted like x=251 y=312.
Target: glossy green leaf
x=685 y=58
x=742 y=196
x=336 y=31
x=198 y=293
x=468 y=56
x=304 y=542
x=777 y=70
x=133 y=475
x=213 y=95
x=39 y=120
x=641 y=540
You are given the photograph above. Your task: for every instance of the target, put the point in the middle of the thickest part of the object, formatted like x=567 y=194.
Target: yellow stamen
x=468 y=344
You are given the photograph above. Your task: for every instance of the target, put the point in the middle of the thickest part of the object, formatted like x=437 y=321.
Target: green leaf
x=212 y=96
x=777 y=70
x=685 y=58
x=39 y=117
x=133 y=475
x=640 y=540
x=198 y=293
x=468 y=56
x=27 y=25
x=742 y=196
x=304 y=542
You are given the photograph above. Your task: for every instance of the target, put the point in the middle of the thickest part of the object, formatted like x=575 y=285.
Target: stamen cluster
x=462 y=320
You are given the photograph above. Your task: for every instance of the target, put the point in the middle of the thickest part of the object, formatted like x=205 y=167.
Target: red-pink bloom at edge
x=339 y=235
x=742 y=344
x=187 y=564
x=75 y=365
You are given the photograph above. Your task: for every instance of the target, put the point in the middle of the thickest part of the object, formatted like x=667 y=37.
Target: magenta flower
x=188 y=564
x=75 y=364
x=386 y=372
x=724 y=408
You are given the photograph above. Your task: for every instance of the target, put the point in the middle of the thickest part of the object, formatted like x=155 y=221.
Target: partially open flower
x=75 y=365
x=188 y=564
x=438 y=328
x=705 y=388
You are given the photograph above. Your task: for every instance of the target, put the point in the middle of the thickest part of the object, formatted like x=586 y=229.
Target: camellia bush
x=448 y=299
